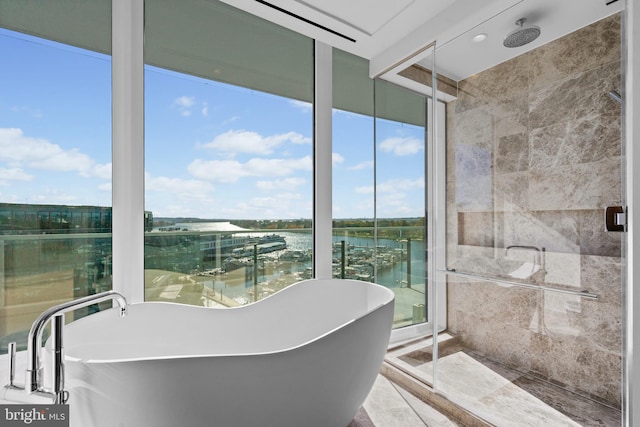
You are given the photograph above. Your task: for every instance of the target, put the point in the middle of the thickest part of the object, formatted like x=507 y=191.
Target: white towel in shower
x=525 y=271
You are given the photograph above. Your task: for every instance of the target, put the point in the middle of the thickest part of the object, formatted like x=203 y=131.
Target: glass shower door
x=400 y=174
x=379 y=199
x=534 y=282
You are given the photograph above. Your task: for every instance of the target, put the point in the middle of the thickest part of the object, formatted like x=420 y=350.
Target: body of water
x=393 y=276
x=279 y=269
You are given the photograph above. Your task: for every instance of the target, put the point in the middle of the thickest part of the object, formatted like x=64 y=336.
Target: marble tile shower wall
x=534 y=157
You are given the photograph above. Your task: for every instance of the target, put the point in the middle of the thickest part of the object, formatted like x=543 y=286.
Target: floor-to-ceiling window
x=353 y=168
x=55 y=158
x=379 y=185
x=228 y=157
x=228 y=154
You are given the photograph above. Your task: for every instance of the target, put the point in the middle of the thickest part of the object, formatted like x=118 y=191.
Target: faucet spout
x=33 y=381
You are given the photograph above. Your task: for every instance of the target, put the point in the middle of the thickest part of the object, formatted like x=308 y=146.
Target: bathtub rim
x=371 y=311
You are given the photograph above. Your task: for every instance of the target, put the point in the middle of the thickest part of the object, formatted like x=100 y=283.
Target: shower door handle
x=615 y=218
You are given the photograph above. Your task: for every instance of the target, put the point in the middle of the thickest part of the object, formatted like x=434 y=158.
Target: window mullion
x=322 y=211
x=128 y=148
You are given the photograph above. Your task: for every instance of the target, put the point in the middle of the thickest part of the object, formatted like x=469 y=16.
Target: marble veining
x=513 y=153
x=585 y=49
x=575 y=96
x=576 y=186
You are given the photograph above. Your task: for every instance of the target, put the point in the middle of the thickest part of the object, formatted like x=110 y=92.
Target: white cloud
x=395 y=186
x=251 y=210
x=367 y=189
x=13 y=174
x=232 y=170
x=185 y=101
x=282 y=205
x=302 y=105
x=396 y=204
x=402 y=146
x=279 y=201
x=60 y=160
x=217 y=170
x=280 y=184
x=400 y=184
x=177 y=197
x=230 y=120
x=18 y=151
x=362 y=166
x=265 y=202
x=205 y=109
x=103 y=171
x=290 y=196
x=241 y=141
x=53 y=196
x=336 y=159
x=179 y=186
x=184 y=105
x=171 y=210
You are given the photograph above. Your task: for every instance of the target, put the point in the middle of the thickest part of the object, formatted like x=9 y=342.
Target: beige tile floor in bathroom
x=388 y=405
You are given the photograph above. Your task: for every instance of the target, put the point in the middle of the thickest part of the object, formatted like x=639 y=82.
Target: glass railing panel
x=395 y=260
x=42 y=270
x=232 y=269
x=223 y=269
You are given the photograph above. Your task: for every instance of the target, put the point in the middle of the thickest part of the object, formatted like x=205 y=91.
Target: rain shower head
x=523 y=35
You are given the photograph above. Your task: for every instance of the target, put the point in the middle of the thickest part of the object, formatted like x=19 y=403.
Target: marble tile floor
x=389 y=405
x=496 y=393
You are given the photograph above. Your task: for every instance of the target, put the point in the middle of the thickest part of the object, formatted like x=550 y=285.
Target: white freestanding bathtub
x=306 y=356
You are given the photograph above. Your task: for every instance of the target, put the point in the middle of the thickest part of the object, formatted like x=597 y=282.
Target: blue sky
x=211 y=150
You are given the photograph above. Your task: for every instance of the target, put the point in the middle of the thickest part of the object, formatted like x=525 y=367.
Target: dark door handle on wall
x=615 y=218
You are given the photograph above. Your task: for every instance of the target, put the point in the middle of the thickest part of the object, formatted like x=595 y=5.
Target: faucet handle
x=11 y=349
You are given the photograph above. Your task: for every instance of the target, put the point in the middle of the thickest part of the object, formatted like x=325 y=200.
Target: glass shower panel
x=378 y=185
x=400 y=202
x=534 y=289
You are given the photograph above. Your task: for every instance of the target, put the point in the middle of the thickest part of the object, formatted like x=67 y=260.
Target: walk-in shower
x=533 y=156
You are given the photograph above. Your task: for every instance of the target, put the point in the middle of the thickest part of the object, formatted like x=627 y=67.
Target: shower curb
x=422 y=391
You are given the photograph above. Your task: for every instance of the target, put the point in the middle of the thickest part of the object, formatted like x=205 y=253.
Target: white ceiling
x=461 y=57
x=388 y=32
x=374 y=24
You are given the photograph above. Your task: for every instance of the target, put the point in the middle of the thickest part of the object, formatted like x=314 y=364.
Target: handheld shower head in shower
x=521 y=36
x=615 y=95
